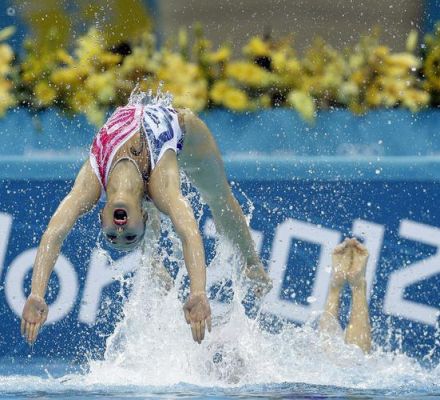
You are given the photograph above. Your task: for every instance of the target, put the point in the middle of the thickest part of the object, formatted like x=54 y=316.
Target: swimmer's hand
x=198 y=315
x=258 y=279
x=34 y=316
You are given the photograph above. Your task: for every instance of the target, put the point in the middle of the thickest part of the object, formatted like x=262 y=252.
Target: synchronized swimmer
x=135 y=160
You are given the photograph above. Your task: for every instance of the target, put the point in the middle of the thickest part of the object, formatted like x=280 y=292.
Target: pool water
x=151 y=354
x=60 y=381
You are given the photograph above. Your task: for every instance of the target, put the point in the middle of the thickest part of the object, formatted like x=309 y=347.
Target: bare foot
x=349 y=263
x=260 y=282
x=341 y=260
x=356 y=274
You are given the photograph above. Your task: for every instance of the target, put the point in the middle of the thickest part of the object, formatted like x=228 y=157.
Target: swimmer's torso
x=139 y=133
x=135 y=149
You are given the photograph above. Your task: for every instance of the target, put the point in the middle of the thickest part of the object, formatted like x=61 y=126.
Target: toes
x=350 y=243
x=361 y=248
x=339 y=248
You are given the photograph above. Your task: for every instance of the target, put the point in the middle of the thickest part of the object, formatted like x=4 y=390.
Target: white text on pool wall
x=395 y=303
x=101 y=273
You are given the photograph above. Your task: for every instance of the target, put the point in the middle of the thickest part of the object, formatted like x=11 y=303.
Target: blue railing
x=269 y=144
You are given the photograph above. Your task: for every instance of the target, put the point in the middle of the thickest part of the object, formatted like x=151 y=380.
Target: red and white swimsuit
x=158 y=123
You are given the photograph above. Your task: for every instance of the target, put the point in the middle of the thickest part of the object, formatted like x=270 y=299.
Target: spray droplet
x=10 y=11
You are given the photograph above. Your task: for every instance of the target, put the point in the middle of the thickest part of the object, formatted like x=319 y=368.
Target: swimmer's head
x=123 y=224
x=123 y=218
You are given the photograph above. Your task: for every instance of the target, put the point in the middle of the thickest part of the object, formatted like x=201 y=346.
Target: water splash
x=152 y=349
x=152 y=346
x=137 y=97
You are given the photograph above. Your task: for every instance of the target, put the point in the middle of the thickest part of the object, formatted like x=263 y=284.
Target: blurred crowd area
x=338 y=22
x=85 y=58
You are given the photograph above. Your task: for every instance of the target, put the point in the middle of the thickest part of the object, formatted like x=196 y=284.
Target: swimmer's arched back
x=144 y=165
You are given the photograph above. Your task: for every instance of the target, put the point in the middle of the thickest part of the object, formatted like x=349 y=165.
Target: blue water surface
x=48 y=379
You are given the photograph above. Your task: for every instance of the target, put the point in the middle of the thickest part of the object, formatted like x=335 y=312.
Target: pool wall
x=375 y=176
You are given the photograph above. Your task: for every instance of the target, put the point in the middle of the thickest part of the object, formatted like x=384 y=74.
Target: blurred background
x=84 y=58
x=339 y=22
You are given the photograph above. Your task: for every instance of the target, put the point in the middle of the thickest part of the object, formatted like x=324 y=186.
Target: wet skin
x=123 y=221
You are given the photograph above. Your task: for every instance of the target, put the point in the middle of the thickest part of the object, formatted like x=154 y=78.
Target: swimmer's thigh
x=201 y=160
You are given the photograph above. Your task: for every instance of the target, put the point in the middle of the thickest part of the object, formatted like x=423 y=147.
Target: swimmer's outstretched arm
x=81 y=199
x=164 y=190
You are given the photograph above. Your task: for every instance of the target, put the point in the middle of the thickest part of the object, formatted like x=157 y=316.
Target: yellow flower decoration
x=45 y=94
x=247 y=73
x=218 y=91
x=91 y=78
x=257 y=47
x=303 y=103
x=222 y=55
x=432 y=68
x=236 y=100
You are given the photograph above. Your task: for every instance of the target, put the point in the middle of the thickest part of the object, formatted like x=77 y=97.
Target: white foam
x=152 y=346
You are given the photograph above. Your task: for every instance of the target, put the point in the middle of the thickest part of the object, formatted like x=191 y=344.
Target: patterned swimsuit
x=158 y=124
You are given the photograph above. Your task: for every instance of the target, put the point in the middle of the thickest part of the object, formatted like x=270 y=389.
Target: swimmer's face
x=123 y=225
